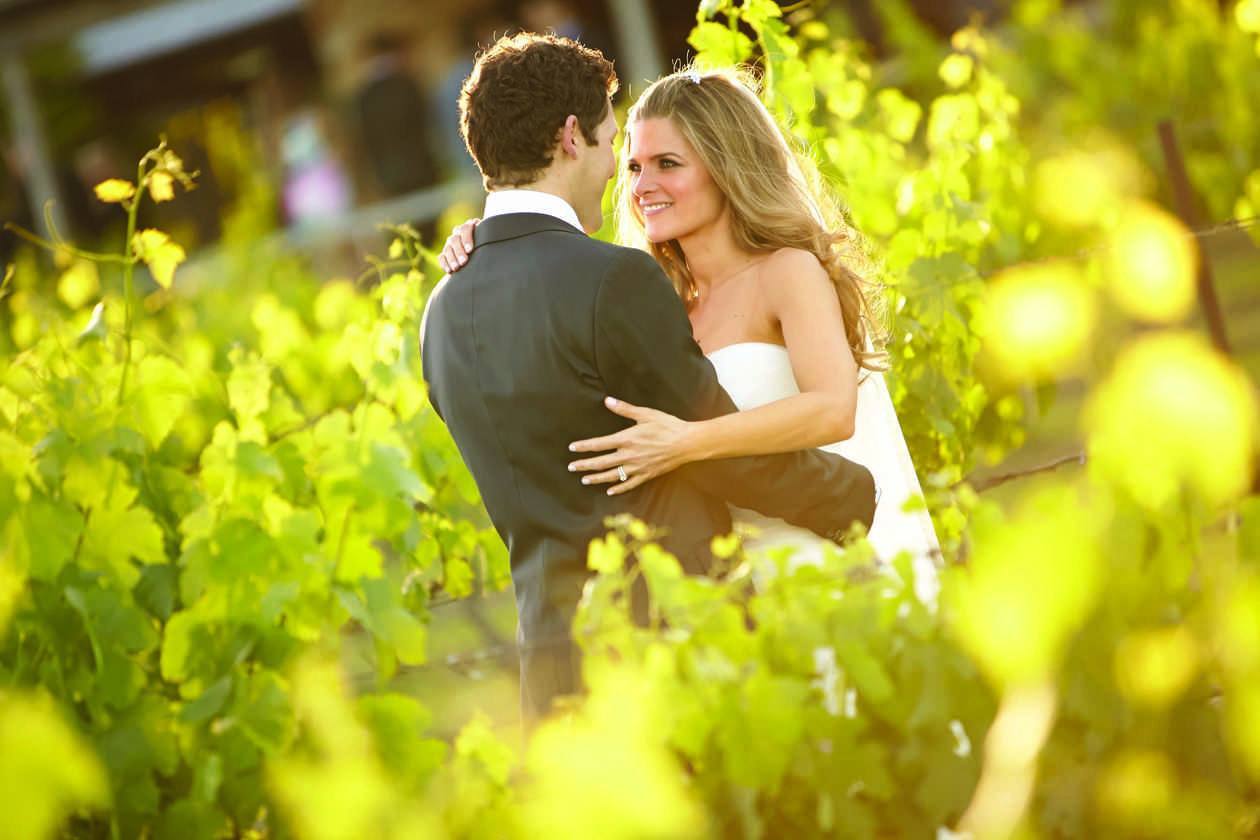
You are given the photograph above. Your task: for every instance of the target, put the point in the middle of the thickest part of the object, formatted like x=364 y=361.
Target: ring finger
x=606 y=477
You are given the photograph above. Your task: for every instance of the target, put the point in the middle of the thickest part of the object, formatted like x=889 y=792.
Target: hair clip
x=694 y=77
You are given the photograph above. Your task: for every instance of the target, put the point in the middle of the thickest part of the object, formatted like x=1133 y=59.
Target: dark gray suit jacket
x=519 y=350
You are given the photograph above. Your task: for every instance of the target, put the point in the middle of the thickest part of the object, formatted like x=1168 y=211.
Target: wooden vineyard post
x=1183 y=196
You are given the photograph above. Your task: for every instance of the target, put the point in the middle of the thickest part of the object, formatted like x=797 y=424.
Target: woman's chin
x=656 y=236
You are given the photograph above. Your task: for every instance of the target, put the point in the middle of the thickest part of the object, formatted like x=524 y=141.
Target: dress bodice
x=755 y=373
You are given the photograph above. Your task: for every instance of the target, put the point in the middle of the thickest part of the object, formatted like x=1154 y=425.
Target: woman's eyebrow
x=657 y=156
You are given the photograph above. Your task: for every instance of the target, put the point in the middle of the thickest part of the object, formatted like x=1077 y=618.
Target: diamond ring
x=621 y=473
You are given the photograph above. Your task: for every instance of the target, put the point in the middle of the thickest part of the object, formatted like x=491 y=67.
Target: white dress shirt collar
x=501 y=202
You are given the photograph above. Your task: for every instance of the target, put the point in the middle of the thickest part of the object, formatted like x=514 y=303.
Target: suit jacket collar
x=514 y=225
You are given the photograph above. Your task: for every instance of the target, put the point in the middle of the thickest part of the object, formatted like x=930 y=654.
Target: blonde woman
x=711 y=188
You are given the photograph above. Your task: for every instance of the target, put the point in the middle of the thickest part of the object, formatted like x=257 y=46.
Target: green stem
x=19 y=662
x=341 y=538
x=378 y=267
x=78 y=544
x=129 y=269
x=58 y=244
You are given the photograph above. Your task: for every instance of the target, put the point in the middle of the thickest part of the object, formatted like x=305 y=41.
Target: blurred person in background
x=478 y=30
x=562 y=18
x=391 y=118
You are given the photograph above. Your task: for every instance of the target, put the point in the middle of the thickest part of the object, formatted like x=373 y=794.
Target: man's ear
x=569 y=136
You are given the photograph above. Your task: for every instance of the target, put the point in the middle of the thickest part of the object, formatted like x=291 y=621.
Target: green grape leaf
x=115 y=538
x=388 y=472
x=209 y=778
x=248 y=385
x=265 y=714
x=867 y=764
x=357 y=557
x=901 y=114
x=719 y=44
x=187 y=649
x=458 y=578
x=120 y=624
x=191 y=819
x=84 y=483
x=160 y=394
x=476 y=743
x=759 y=749
x=760 y=11
x=155 y=590
x=498 y=564
x=946 y=786
x=779 y=48
x=15 y=455
x=209 y=703
x=408 y=636
x=49 y=772
x=243 y=789
x=52 y=531
x=162 y=255
x=352 y=603
x=279 y=595
x=796 y=87
x=607 y=556
x=397 y=724
x=237 y=469
x=865 y=670
x=119 y=680
x=380 y=611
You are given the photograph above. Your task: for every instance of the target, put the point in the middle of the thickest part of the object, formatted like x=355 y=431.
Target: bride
x=736 y=219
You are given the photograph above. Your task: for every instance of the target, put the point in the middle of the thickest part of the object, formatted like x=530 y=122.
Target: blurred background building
x=335 y=115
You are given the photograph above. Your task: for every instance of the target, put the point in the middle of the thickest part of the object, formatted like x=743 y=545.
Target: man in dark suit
x=520 y=348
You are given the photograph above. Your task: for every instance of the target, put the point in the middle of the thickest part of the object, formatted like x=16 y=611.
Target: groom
x=520 y=348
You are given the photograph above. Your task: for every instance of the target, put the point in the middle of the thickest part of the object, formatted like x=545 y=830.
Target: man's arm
x=647 y=354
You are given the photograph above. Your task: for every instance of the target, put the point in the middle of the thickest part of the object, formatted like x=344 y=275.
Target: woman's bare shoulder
x=789 y=268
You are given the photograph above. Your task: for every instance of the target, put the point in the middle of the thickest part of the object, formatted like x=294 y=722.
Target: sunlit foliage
x=213 y=482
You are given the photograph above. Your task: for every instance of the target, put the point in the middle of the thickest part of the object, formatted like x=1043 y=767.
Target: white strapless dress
x=756 y=373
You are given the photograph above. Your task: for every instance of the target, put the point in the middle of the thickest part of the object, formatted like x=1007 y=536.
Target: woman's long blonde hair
x=774 y=192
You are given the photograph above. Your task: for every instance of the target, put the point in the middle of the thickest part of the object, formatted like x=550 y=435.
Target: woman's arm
x=802 y=302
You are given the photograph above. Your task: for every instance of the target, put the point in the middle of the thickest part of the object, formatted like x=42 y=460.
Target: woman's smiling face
x=673 y=192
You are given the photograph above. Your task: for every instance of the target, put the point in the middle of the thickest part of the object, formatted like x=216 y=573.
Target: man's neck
x=550 y=182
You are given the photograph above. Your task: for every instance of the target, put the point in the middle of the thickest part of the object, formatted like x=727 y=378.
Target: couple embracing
x=543 y=342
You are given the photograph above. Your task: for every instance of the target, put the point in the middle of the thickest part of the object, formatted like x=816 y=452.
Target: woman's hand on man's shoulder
x=458 y=246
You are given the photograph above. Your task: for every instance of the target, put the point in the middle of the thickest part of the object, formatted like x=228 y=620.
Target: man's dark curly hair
x=514 y=104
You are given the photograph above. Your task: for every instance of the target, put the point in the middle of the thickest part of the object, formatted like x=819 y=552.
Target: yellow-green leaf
x=79 y=284
x=956 y=70
x=50 y=771
x=115 y=190
x=161 y=186
x=1247 y=13
x=160 y=254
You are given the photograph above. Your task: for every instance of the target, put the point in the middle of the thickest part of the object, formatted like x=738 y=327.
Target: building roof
x=114 y=33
